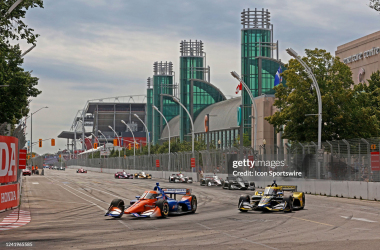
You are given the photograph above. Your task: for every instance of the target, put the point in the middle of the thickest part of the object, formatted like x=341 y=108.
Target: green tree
x=14 y=99
x=374 y=4
x=342 y=114
x=246 y=141
x=368 y=97
x=12 y=25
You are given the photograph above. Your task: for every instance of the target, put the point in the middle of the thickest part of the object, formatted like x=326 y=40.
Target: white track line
x=236 y=237
x=101 y=208
x=97 y=189
x=359 y=219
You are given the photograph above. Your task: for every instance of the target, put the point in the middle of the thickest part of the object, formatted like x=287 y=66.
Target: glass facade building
x=204 y=94
x=149 y=101
x=163 y=84
x=191 y=67
x=258 y=66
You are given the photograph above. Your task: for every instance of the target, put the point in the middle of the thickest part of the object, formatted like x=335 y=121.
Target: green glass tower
x=149 y=117
x=258 y=65
x=191 y=67
x=163 y=83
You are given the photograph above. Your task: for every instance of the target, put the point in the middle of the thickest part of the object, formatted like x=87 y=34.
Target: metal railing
x=339 y=160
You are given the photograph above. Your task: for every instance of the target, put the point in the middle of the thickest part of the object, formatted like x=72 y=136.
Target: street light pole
x=84 y=143
x=117 y=137
x=168 y=130
x=235 y=75
x=310 y=74
x=31 y=129
x=13 y=7
x=191 y=120
x=96 y=139
x=28 y=50
x=105 y=142
x=134 y=142
x=147 y=132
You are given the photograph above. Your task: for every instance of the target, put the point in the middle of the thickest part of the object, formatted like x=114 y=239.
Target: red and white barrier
x=15 y=219
x=9 y=196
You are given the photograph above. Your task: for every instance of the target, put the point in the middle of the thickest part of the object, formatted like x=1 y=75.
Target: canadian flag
x=238 y=88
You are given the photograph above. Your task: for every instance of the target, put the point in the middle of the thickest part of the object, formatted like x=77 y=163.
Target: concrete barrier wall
x=339 y=189
x=346 y=189
x=373 y=191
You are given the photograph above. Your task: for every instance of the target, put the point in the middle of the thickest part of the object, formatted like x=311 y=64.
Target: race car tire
x=119 y=203
x=201 y=183
x=229 y=186
x=115 y=177
x=194 y=204
x=244 y=198
x=163 y=205
x=303 y=200
x=289 y=204
x=170 y=180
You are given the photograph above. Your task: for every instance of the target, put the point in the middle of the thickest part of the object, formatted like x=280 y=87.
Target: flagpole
x=243 y=84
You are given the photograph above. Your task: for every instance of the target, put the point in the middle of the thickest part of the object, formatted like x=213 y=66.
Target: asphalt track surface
x=67 y=211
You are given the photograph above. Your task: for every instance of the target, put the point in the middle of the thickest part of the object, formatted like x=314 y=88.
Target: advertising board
x=22 y=159
x=375 y=161
x=8 y=159
x=9 y=197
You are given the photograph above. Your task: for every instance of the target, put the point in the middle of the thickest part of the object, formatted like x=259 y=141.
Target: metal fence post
x=348 y=159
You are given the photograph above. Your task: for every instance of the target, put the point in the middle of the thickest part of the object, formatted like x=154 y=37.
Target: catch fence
x=348 y=160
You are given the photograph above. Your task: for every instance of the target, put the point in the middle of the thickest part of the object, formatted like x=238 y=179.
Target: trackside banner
x=9 y=197
x=8 y=159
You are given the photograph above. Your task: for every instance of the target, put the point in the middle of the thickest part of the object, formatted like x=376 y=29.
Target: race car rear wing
x=180 y=191
x=286 y=187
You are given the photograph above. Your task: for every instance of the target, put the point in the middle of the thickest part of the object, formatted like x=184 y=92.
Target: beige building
x=362 y=56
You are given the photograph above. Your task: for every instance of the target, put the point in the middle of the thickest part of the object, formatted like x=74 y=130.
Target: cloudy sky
x=92 y=49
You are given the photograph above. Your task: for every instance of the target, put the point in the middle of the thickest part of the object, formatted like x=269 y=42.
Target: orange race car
x=156 y=203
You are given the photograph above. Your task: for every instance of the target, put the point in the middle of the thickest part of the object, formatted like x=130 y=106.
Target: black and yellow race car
x=273 y=198
x=142 y=175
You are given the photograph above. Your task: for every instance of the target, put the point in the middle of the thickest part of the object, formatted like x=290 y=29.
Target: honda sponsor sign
x=375 y=161
x=22 y=159
x=192 y=162
x=8 y=159
x=9 y=196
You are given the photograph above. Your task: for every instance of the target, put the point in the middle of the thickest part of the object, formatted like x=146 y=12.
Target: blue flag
x=277 y=77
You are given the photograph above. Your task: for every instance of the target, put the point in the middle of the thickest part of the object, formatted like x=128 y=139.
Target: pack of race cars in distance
x=158 y=202
x=123 y=175
x=81 y=171
x=232 y=183
x=142 y=175
x=211 y=180
x=274 y=198
x=180 y=178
